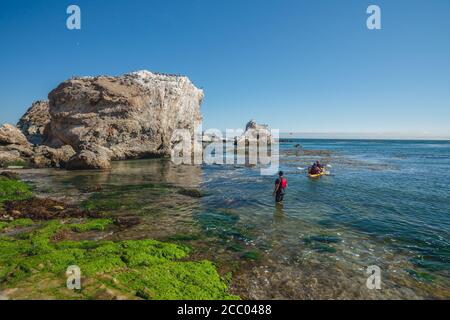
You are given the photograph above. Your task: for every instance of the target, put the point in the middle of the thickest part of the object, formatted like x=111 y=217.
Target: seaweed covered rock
x=145 y=269
x=13 y=190
x=43 y=209
x=10 y=175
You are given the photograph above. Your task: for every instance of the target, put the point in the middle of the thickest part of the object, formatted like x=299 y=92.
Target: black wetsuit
x=279 y=195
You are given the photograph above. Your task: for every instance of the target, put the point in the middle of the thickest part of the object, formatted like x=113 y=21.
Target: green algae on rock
x=13 y=190
x=18 y=223
x=252 y=255
x=141 y=268
x=94 y=224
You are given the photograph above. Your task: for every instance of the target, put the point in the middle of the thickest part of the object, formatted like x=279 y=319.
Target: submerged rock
x=11 y=175
x=44 y=209
x=127 y=221
x=193 y=193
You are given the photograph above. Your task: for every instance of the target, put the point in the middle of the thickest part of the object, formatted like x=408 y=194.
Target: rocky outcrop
x=45 y=156
x=15 y=150
x=34 y=121
x=90 y=121
x=91 y=158
x=14 y=146
x=9 y=157
x=254 y=132
x=10 y=135
x=131 y=116
x=252 y=125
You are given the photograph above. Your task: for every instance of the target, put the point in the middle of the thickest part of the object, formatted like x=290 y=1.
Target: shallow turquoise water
x=385 y=203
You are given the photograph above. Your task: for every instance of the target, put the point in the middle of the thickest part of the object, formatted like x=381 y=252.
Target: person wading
x=280 y=187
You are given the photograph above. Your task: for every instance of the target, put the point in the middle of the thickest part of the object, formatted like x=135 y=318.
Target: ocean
x=383 y=203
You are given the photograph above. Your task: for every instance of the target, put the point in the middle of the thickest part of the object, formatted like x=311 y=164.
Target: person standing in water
x=280 y=187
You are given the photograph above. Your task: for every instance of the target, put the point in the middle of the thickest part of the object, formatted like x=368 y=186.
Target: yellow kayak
x=318 y=175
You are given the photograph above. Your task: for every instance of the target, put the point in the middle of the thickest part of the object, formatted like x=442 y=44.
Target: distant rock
x=254 y=132
x=253 y=125
x=34 y=121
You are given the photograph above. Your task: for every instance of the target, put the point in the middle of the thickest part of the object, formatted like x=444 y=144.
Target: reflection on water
x=384 y=205
x=278 y=215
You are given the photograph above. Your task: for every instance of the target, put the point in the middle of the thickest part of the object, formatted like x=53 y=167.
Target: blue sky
x=308 y=66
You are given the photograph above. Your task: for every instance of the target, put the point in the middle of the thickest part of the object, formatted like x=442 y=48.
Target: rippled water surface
x=384 y=203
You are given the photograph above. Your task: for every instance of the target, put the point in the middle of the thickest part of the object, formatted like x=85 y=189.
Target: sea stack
x=256 y=133
x=99 y=119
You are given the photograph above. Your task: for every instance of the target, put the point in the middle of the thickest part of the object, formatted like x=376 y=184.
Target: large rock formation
x=90 y=121
x=34 y=122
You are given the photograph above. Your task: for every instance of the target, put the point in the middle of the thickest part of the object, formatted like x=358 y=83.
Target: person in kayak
x=314 y=169
x=319 y=165
x=280 y=187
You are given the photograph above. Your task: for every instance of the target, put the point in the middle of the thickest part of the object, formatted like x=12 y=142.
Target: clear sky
x=305 y=66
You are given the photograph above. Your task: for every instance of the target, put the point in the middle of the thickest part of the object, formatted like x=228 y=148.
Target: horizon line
x=366 y=135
